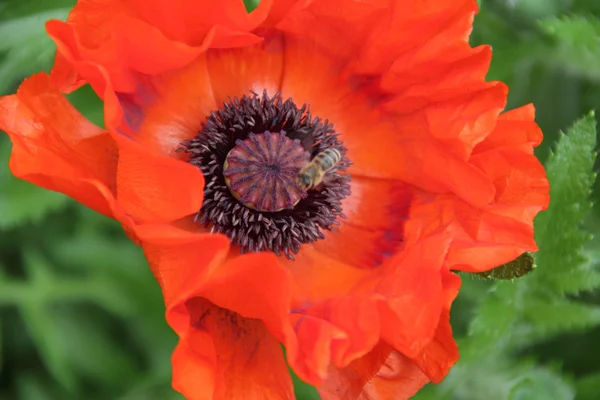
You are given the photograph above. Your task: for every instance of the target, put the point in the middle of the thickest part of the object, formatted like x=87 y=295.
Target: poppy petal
x=236 y=72
x=55 y=147
x=154 y=187
x=168 y=108
x=318 y=276
x=414 y=33
x=397 y=147
x=171 y=107
x=341 y=329
x=133 y=38
x=225 y=356
x=398 y=378
x=373 y=228
x=380 y=375
x=193 y=272
x=338 y=30
x=189 y=21
x=436 y=359
x=415 y=279
x=488 y=236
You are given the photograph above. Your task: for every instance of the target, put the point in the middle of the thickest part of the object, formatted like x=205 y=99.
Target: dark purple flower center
x=250 y=152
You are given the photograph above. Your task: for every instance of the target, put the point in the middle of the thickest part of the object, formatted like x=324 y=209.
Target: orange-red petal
x=380 y=375
x=398 y=378
x=338 y=330
x=488 y=236
x=226 y=356
x=55 y=147
x=130 y=38
x=154 y=187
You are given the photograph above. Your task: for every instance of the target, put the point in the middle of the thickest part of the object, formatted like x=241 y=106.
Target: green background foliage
x=82 y=318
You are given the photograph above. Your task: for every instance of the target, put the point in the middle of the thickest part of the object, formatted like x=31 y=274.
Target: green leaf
x=493 y=320
x=152 y=391
x=88 y=103
x=22 y=8
x=90 y=351
x=588 y=387
x=251 y=5
x=542 y=384
x=553 y=317
x=31 y=387
x=1 y=345
x=26 y=47
x=562 y=267
x=576 y=44
x=517 y=268
x=21 y=201
x=47 y=337
x=302 y=390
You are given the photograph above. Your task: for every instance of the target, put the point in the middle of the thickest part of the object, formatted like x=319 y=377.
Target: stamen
x=250 y=152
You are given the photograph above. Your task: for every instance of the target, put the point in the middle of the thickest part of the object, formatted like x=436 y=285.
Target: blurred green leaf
x=88 y=103
x=16 y=9
x=21 y=201
x=91 y=352
x=153 y=391
x=26 y=47
x=537 y=8
x=32 y=387
x=1 y=345
x=588 y=387
x=47 y=337
x=548 y=317
x=558 y=231
x=493 y=320
x=542 y=385
x=577 y=44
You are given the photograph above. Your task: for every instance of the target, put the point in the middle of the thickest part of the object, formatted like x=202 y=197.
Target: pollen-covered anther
x=261 y=170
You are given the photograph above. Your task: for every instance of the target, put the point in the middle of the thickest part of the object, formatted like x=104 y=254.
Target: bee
x=313 y=173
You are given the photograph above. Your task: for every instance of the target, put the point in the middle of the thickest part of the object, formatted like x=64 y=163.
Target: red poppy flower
x=210 y=114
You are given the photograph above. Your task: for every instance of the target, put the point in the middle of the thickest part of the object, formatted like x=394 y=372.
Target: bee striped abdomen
x=312 y=174
x=328 y=159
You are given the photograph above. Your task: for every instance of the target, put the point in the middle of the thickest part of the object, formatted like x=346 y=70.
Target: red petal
x=189 y=21
x=436 y=359
x=169 y=108
x=55 y=147
x=383 y=374
x=488 y=236
x=128 y=38
x=415 y=279
x=339 y=330
x=373 y=228
x=441 y=354
x=156 y=188
x=225 y=356
x=251 y=292
x=398 y=379
x=236 y=72
x=397 y=147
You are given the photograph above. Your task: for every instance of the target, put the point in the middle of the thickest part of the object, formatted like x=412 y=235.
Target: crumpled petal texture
x=441 y=179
